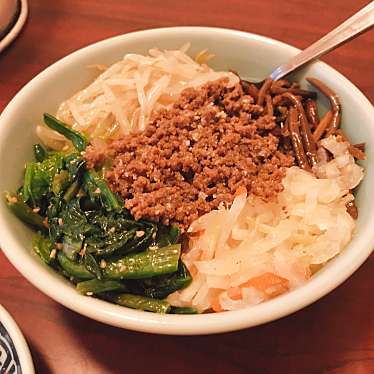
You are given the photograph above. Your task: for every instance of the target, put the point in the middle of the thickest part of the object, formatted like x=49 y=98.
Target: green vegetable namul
x=84 y=232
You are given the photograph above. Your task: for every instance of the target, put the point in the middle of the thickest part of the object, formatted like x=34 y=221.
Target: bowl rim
x=345 y=265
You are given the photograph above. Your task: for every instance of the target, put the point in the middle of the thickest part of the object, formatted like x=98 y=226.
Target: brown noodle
x=296 y=112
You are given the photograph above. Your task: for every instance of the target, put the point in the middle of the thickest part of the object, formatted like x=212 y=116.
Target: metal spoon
x=361 y=21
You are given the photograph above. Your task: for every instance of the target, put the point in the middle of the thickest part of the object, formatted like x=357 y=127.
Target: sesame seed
x=139 y=234
x=202 y=195
x=222 y=205
x=221 y=114
x=45 y=222
x=80 y=193
x=83 y=251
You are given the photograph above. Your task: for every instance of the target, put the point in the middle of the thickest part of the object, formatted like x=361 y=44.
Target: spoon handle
x=352 y=27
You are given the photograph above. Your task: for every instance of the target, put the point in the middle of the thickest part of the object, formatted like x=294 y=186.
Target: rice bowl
x=315 y=279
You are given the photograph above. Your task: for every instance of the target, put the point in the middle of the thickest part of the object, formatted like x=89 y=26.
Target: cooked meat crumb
x=192 y=157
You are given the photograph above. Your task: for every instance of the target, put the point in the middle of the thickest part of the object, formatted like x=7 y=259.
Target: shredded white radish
x=255 y=250
x=123 y=98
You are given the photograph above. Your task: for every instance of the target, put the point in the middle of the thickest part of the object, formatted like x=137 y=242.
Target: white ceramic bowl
x=250 y=55
x=15 y=356
x=13 y=14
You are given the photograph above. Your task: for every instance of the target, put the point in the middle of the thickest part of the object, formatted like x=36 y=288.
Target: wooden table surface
x=334 y=335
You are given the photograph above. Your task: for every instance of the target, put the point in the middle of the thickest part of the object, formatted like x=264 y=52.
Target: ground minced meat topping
x=193 y=156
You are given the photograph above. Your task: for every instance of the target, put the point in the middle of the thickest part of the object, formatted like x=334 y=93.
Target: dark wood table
x=334 y=335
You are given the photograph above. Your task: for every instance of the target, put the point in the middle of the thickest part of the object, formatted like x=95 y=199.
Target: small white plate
x=16 y=28
x=15 y=356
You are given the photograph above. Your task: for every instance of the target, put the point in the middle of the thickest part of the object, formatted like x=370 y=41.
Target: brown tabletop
x=334 y=335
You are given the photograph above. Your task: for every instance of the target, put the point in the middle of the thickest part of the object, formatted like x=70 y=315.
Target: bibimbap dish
x=169 y=187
